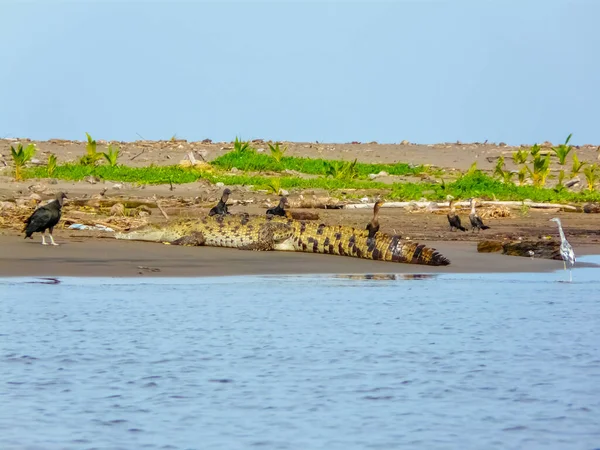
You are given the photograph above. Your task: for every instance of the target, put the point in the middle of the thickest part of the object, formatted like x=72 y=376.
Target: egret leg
x=44 y=238
x=565 y=264
x=570 y=276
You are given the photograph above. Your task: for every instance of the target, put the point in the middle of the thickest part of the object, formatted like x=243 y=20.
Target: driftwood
x=108 y=203
x=162 y=211
x=117 y=210
x=315 y=203
x=303 y=215
x=540 y=249
x=510 y=204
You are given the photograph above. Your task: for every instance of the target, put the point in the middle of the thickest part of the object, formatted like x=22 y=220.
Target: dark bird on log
x=373 y=225
x=279 y=209
x=45 y=218
x=221 y=208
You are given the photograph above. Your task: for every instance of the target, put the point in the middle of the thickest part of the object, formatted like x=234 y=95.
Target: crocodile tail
x=427 y=255
x=414 y=253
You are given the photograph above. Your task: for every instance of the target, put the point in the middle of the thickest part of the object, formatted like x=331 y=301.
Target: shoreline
x=94 y=254
x=105 y=257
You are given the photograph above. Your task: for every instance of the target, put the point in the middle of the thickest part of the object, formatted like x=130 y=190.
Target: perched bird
x=453 y=218
x=221 y=207
x=279 y=209
x=373 y=225
x=566 y=251
x=45 y=218
x=476 y=221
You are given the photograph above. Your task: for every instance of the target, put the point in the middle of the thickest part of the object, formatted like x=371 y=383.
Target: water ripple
x=339 y=362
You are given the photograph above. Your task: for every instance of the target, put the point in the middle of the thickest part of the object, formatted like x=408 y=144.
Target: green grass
x=474 y=184
x=141 y=175
x=482 y=186
x=258 y=162
x=179 y=175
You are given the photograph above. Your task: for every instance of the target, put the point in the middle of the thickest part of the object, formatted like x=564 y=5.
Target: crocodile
x=265 y=233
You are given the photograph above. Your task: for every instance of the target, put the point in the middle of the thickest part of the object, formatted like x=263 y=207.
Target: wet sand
x=105 y=257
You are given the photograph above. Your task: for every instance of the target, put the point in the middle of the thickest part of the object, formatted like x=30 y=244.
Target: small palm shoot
x=274 y=185
x=473 y=168
x=349 y=170
x=91 y=156
x=563 y=150
x=577 y=165
x=21 y=156
x=112 y=155
x=499 y=169
x=277 y=152
x=561 y=179
x=522 y=175
x=51 y=166
x=333 y=169
x=520 y=156
x=504 y=175
x=241 y=146
x=541 y=169
x=341 y=170
x=535 y=150
x=591 y=173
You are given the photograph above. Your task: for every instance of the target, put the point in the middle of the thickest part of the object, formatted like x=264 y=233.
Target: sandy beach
x=86 y=253
x=106 y=257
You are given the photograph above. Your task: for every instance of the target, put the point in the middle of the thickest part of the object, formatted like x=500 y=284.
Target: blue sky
x=331 y=71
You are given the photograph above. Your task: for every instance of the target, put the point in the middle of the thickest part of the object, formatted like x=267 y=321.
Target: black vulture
x=45 y=218
x=221 y=208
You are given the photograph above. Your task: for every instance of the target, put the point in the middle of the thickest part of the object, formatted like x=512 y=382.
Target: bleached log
x=315 y=204
x=516 y=204
x=392 y=205
x=510 y=204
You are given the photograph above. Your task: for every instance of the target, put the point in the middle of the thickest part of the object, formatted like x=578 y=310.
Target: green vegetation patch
x=250 y=160
x=179 y=175
x=473 y=184
x=477 y=184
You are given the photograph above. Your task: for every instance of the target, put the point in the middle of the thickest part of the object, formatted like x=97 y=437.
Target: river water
x=490 y=361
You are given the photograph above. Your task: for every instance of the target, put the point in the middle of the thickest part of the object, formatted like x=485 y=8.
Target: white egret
x=566 y=251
